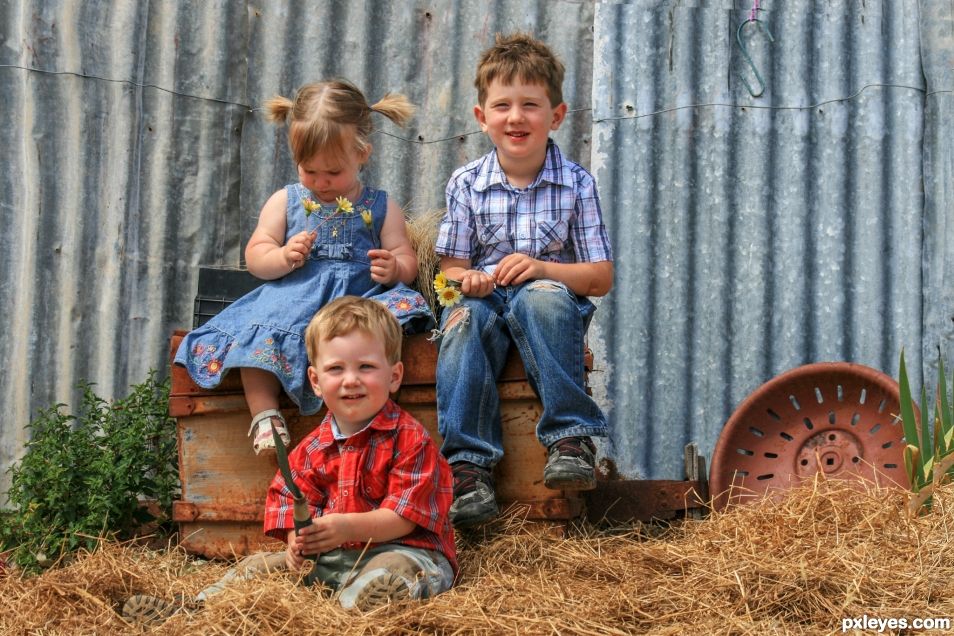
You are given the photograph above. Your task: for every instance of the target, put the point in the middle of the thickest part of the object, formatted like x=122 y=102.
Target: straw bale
x=793 y=565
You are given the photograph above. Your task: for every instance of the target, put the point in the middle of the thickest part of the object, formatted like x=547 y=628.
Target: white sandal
x=262 y=426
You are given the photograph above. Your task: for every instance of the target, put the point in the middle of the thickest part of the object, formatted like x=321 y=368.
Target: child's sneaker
x=571 y=464
x=474 y=499
x=143 y=609
x=261 y=429
x=382 y=590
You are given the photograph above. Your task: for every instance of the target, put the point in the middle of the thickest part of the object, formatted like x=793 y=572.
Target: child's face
x=518 y=118
x=330 y=175
x=354 y=378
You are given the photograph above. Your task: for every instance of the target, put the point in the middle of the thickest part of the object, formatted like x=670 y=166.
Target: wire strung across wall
x=458 y=136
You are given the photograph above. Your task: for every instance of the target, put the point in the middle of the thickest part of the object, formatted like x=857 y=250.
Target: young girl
x=326 y=236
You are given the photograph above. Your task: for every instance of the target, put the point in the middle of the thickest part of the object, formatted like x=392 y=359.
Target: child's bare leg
x=262 y=390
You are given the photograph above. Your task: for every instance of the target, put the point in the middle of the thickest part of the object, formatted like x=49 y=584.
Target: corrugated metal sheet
x=134 y=150
x=752 y=234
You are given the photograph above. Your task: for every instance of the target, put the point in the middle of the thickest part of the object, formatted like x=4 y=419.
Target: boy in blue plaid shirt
x=524 y=236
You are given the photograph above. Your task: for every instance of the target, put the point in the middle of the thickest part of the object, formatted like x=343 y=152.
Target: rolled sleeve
x=589 y=237
x=416 y=488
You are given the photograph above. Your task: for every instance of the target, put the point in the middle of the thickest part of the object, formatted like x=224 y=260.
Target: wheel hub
x=833 y=418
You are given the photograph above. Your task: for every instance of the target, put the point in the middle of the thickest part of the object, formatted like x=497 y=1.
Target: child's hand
x=384 y=267
x=325 y=533
x=476 y=283
x=293 y=556
x=514 y=269
x=297 y=248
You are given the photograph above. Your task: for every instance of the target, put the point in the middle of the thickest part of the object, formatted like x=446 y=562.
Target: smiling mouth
x=518 y=135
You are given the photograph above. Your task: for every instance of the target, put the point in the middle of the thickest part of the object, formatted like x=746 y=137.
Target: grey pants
x=426 y=572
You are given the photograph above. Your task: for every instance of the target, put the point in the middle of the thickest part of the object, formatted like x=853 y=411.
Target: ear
x=397 y=374
x=313 y=380
x=559 y=114
x=363 y=157
x=481 y=119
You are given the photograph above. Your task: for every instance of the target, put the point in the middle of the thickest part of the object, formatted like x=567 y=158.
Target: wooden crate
x=224 y=483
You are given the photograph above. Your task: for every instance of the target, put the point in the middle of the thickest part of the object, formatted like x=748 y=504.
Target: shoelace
x=466 y=478
x=574 y=447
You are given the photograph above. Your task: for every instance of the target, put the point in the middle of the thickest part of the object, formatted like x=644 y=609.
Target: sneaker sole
x=570 y=483
x=467 y=519
x=389 y=588
x=148 y=610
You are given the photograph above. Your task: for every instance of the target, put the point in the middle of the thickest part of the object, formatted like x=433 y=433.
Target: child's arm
x=396 y=260
x=267 y=255
x=583 y=279
x=472 y=282
x=332 y=530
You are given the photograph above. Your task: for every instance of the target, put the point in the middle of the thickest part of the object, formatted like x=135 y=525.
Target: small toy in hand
x=448 y=290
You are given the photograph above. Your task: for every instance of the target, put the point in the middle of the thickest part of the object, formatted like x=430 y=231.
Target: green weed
x=83 y=477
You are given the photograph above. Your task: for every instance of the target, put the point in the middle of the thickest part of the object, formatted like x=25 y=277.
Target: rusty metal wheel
x=837 y=418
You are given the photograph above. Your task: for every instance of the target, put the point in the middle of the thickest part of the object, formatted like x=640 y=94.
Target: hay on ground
x=825 y=552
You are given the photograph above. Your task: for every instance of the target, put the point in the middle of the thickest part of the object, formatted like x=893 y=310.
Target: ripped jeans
x=547 y=323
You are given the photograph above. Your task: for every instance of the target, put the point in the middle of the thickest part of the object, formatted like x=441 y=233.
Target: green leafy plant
x=85 y=477
x=929 y=454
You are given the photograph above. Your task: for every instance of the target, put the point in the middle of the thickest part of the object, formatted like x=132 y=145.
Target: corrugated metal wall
x=752 y=234
x=135 y=149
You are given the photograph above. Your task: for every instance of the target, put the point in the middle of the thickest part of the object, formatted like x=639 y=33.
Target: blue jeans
x=547 y=322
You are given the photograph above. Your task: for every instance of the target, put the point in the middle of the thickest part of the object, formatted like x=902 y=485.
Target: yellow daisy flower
x=449 y=296
x=344 y=205
x=440 y=281
x=309 y=205
x=366 y=217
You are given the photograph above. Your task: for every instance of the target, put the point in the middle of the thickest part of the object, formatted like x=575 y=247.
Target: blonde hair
x=347 y=314
x=522 y=57
x=327 y=116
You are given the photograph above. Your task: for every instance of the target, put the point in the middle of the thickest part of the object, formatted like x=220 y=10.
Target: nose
x=515 y=114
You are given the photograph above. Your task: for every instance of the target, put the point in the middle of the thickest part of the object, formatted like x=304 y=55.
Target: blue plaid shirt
x=556 y=218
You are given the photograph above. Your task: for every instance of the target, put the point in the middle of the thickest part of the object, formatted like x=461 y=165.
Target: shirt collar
x=554 y=171
x=385 y=420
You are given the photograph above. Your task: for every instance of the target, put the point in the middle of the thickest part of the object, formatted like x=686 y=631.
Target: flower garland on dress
x=344 y=207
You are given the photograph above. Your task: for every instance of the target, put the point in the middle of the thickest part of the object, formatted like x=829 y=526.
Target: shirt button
x=345 y=493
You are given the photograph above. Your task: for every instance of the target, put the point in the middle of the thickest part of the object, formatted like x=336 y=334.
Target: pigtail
x=395 y=107
x=278 y=109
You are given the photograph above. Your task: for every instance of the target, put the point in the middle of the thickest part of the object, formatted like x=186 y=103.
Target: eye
x=367 y=366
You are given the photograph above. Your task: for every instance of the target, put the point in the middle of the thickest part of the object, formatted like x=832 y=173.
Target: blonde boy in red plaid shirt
x=377 y=487
x=370 y=472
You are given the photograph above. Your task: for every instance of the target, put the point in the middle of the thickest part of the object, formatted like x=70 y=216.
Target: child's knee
x=547 y=286
x=546 y=296
x=459 y=317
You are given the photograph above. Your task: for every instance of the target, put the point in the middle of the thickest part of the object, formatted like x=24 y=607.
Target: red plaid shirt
x=393 y=463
